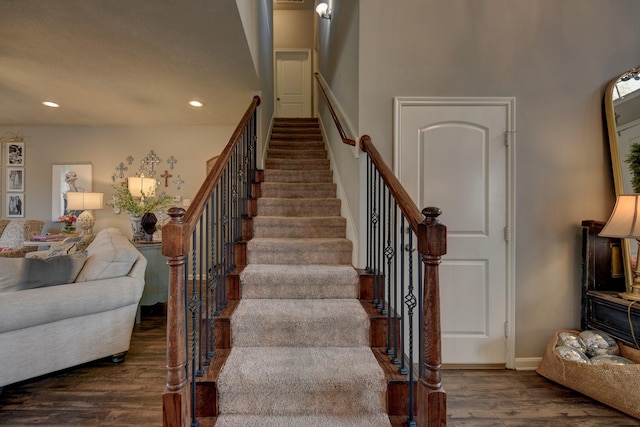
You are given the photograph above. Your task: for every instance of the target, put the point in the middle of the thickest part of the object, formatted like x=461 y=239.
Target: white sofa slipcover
x=46 y=329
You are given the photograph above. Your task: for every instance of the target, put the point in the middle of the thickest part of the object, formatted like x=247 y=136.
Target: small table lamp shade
x=78 y=201
x=624 y=223
x=139 y=186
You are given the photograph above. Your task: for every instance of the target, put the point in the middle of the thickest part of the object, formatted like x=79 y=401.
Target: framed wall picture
x=15 y=179
x=14 y=153
x=66 y=178
x=15 y=205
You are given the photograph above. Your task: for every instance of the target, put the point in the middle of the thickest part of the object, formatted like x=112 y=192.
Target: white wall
x=555 y=58
x=257 y=19
x=105 y=148
x=338 y=52
x=293 y=29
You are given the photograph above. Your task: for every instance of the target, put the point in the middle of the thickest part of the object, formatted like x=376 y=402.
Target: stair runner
x=300 y=352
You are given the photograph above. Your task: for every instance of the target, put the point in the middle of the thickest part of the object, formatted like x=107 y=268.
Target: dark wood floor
x=103 y=394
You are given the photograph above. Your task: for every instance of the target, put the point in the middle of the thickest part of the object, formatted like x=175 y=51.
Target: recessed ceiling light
x=195 y=103
x=50 y=104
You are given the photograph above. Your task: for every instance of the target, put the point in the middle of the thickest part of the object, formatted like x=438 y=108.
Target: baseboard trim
x=527 y=363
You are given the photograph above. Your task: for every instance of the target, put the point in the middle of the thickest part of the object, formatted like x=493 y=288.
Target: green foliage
x=125 y=201
x=633 y=160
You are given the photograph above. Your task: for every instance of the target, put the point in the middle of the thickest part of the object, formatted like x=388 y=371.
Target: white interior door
x=293 y=83
x=454 y=156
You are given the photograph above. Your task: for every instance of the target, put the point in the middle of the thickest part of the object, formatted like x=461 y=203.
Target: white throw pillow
x=13 y=235
x=111 y=254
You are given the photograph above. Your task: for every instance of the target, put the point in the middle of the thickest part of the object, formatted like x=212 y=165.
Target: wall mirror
x=622 y=110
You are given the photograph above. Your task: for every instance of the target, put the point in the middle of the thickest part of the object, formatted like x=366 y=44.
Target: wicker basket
x=613 y=385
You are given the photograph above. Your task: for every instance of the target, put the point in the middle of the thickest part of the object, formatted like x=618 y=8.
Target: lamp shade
x=624 y=221
x=77 y=201
x=139 y=186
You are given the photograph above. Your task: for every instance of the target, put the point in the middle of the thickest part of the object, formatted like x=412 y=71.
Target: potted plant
x=137 y=207
x=633 y=160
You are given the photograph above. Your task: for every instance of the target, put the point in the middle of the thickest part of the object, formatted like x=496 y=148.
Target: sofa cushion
x=111 y=254
x=18 y=274
x=13 y=235
x=70 y=245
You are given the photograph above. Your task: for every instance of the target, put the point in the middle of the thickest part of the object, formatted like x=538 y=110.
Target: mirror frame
x=616 y=165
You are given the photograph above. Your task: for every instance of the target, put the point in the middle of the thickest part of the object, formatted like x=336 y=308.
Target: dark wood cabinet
x=602 y=281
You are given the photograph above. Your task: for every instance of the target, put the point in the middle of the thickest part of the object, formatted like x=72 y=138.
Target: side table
x=156 y=276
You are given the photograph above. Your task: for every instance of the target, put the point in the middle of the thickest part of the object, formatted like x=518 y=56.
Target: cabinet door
x=156 y=277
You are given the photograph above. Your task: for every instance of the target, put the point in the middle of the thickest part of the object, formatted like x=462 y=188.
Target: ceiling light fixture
x=322 y=9
x=50 y=104
x=196 y=104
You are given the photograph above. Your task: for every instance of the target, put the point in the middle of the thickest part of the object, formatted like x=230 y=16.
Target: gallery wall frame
x=14 y=153
x=15 y=205
x=15 y=179
x=68 y=177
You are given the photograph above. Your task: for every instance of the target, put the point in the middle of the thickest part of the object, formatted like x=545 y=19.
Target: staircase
x=301 y=351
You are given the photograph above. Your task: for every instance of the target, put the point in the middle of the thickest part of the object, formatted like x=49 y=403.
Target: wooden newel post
x=175 y=399
x=431 y=397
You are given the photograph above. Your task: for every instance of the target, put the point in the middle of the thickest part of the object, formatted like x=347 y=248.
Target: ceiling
x=123 y=62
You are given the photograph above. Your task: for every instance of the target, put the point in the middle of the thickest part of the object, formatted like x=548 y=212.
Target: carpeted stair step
x=285 y=133
x=298 y=190
x=299 y=281
x=299 y=251
x=296 y=154
x=268 y=381
x=301 y=136
x=295 y=122
x=298 y=207
x=297 y=145
x=300 y=323
x=368 y=420
x=283 y=175
x=299 y=227
x=306 y=164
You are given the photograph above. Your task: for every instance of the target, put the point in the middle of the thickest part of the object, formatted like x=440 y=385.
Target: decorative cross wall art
x=149 y=167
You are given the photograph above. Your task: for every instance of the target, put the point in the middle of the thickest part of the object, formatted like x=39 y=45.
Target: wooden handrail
x=200 y=200
x=406 y=205
x=336 y=120
x=177 y=234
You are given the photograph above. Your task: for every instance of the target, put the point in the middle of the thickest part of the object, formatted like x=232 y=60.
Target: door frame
x=510 y=233
x=275 y=75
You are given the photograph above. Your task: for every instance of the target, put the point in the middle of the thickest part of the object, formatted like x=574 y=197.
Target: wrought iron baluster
x=410 y=301
x=388 y=258
x=406 y=317
x=193 y=308
x=377 y=246
x=211 y=283
x=394 y=248
x=369 y=266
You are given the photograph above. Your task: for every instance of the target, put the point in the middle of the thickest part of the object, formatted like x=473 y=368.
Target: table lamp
x=79 y=201
x=624 y=223
x=141 y=187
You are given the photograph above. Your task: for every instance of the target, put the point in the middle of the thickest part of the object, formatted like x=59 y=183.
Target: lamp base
x=86 y=222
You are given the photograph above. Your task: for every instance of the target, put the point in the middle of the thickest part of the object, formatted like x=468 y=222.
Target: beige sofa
x=68 y=309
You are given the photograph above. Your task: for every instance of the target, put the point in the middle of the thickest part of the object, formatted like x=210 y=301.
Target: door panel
x=454 y=157
x=293 y=84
